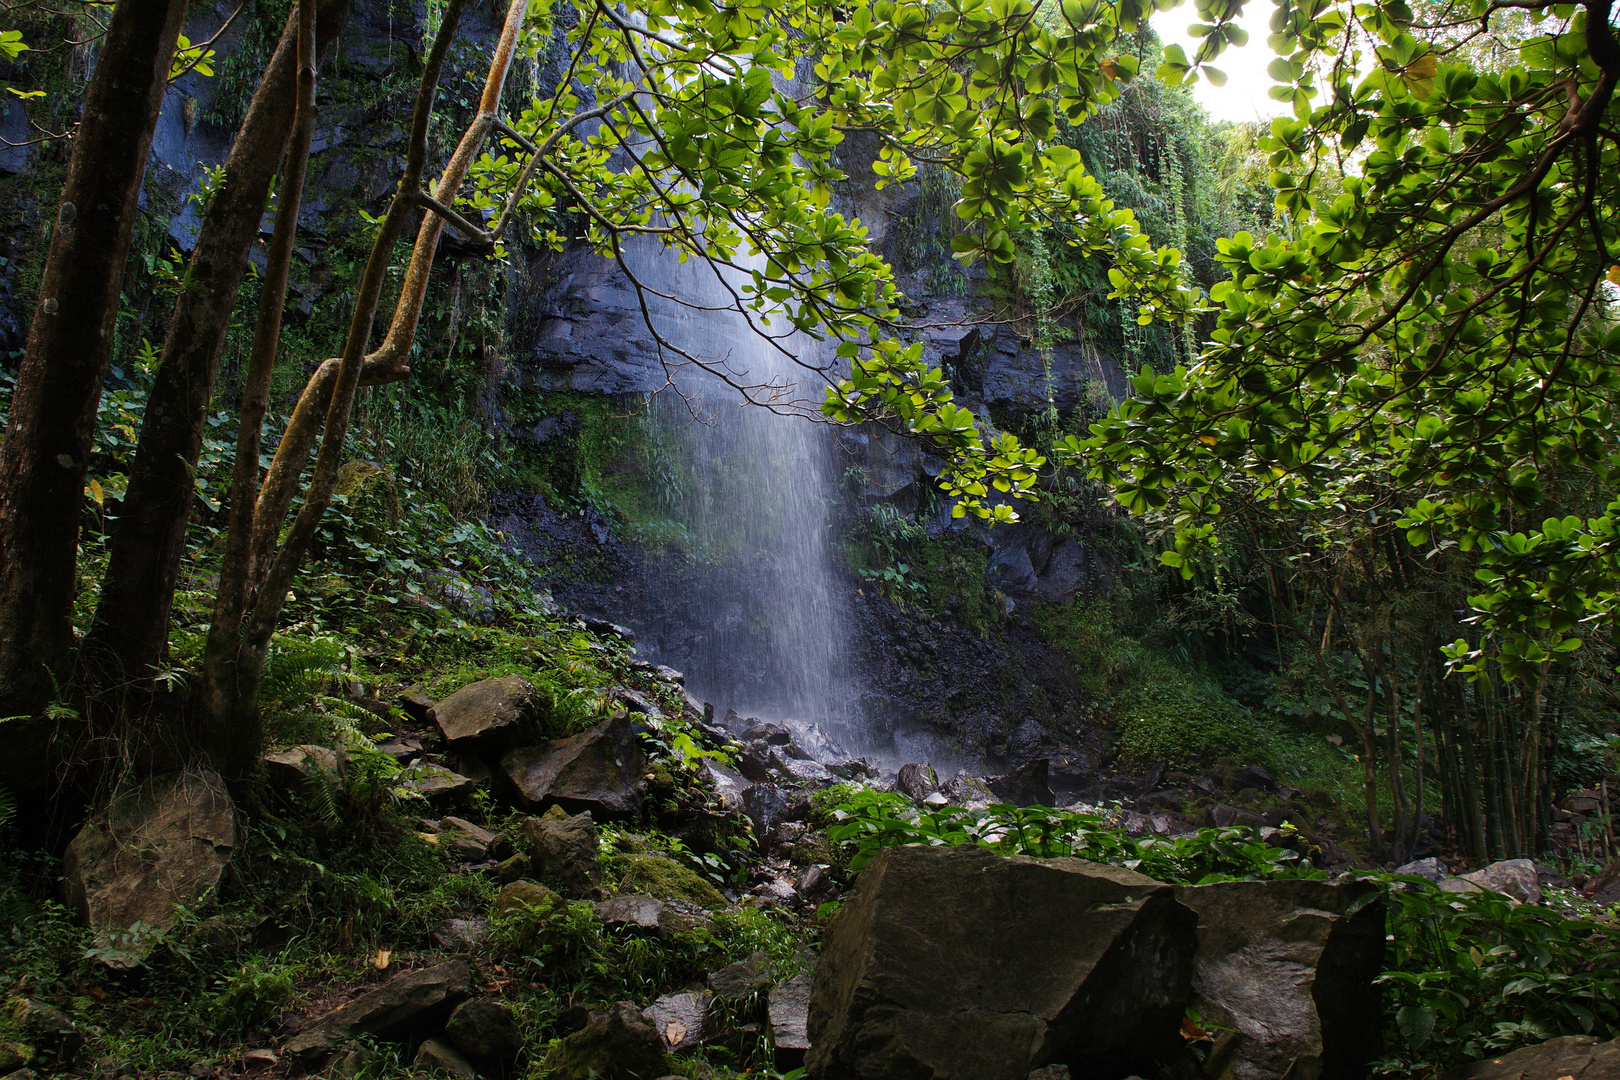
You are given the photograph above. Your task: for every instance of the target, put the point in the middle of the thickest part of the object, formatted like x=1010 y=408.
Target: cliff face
x=551 y=351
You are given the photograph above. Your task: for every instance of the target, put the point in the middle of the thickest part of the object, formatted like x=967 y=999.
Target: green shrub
x=1186 y=724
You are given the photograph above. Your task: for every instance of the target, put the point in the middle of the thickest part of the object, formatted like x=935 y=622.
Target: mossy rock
x=372 y=495
x=524 y=893
x=660 y=876
x=14 y=1055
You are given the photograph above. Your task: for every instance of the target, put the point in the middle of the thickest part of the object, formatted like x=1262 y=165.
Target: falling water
x=760 y=628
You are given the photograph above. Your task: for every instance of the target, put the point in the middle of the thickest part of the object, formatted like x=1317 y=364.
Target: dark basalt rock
x=1573 y=1057
x=1027 y=785
x=597 y=770
x=1286 y=968
x=492 y=714
x=564 y=850
x=917 y=781
x=959 y=964
x=412 y=1000
x=484 y=1028
x=615 y=1044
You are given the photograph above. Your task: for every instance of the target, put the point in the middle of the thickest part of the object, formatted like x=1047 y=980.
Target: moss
x=657 y=875
x=1186 y=724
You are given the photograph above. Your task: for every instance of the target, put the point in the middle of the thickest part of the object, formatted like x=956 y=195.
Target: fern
x=8 y=807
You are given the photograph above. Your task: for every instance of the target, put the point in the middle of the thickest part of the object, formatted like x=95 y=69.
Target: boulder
x=409 y=1001
x=513 y=869
x=917 y=781
x=435 y=783
x=1286 y=968
x=967 y=791
x=1584 y=801
x=1027 y=785
x=1573 y=1057
x=764 y=805
x=492 y=714
x=736 y=981
x=417 y=704
x=435 y=1056
x=163 y=845
x=615 y=1044
x=1431 y=868
x=789 y=1014
x=644 y=913
x=45 y=1028
x=476 y=841
x=372 y=497
x=1514 y=878
x=460 y=935
x=564 y=850
x=597 y=770
x=522 y=894
x=306 y=768
x=1230 y=817
x=484 y=1028
x=960 y=964
x=681 y=1020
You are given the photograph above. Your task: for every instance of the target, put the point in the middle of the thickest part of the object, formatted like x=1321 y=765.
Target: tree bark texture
x=48 y=441
x=131 y=628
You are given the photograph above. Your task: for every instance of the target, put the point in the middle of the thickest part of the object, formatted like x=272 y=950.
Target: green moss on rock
x=657 y=875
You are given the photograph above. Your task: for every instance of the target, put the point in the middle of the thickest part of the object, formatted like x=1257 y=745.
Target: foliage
x=1442 y=314
x=869 y=821
x=1472 y=975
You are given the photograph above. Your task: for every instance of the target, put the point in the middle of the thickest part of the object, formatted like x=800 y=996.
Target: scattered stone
x=402 y=749
x=644 y=913
x=435 y=783
x=917 y=781
x=489 y=844
x=1027 y=785
x=955 y=961
x=352 y=1062
x=492 y=714
x=800 y=769
x=1431 y=868
x=789 y=1013
x=1458 y=885
x=1573 y=1057
x=615 y=1044
x=484 y=1028
x=1051 y=1072
x=669 y=674
x=162 y=846
x=609 y=629
x=294 y=768
x=461 y=935
x=1285 y=971
x=1581 y=802
x=417 y=704
x=681 y=1020
x=597 y=770
x=1244 y=777
x=564 y=849
x=736 y=981
x=510 y=870
x=764 y=805
x=521 y=894
x=968 y=792
x=1229 y=817
x=415 y=999
x=635 y=701
x=45 y=1027
x=727 y=784
x=438 y=1056
x=1513 y=878
x=14 y=1055
x=20 y=1074
x=473 y=768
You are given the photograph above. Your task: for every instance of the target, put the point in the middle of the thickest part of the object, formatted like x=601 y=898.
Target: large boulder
x=485 y=1028
x=615 y=1044
x=597 y=770
x=1513 y=878
x=413 y=1000
x=563 y=849
x=1028 y=785
x=1285 y=971
x=1573 y=1057
x=163 y=845
x=492 y=714
x=960 y=964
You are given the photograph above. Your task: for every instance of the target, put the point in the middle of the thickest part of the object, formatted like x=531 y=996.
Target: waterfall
x=753 y=608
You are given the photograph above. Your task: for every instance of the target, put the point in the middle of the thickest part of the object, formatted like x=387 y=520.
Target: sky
x=1244 y=95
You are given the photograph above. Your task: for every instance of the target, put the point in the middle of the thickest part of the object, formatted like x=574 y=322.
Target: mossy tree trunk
x=47 y=448
x=131 y=628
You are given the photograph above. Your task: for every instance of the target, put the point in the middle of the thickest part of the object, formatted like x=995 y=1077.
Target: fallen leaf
x=381 y=962
x=674 y=1032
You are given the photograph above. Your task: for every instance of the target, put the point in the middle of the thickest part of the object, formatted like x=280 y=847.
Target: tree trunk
x=131 y=628
x=48 y=439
